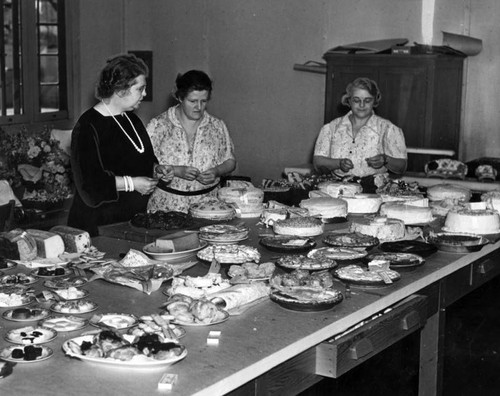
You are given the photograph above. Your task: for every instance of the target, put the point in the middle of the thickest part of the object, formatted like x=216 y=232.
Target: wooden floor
x=472 y=356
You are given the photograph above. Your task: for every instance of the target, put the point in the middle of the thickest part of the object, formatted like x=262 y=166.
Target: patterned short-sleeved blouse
x=211 y=146
x=378 y=136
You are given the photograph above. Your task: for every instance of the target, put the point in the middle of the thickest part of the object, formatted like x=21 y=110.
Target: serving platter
x=295 y=304
x=421 y=248
x=298 y=261
x=119 y=321
x=229 y=254
x=288 y=244
x=398 y=260
x=74 y=307
x=353 y=240
x=171 y=257
x=48 y=272
x=458 y=242
x=37 y=314
x=64 y=283
x=6 y=354
x=140 y=362
x=337 y=253
x=221 y=317
x=30 y=335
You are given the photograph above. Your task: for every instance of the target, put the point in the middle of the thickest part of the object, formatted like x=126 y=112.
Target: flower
x=37 y=164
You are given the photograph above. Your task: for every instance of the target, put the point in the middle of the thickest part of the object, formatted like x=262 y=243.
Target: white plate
x=6 y=354
x=24 y=335
x=147 y=363
x=149 y=249
x=64 y=323
x=26 y=301
x=82 y=293
x=54 y=307
x=118 y=321
x=43 y=314
x=224 y=317
x=48 y=262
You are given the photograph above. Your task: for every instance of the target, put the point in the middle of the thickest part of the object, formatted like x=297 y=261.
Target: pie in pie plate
x=230 y=254
x=357 y=275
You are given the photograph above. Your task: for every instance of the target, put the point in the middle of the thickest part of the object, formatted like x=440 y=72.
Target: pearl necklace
x=139 y=149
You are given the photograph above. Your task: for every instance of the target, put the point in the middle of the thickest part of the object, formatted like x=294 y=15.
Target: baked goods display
x=409 y=214
x=64 y=323
x=245 y=198
x=362 y=203
x=197 y=286
x=288 y=244
x=337 y=189
x=299 y=261
x=74 y=307
x=223 y=233
x=472 y=221
x=441 y=192
x=337 y=253
x=108 y=347
x=248 y=272
x=230 y=254
x=446 y=168
x=30 y=335
x=383 y=228
x=212 y=209
x=325 y=207
x=351 y=240
x=75 y=240
x=25 y=354
x=194 y=312
x=161 y=220
x=17 y=279
x=356 y=274
x=25 y=314
x=492 y=199
x=17 y=244
x=299 y=226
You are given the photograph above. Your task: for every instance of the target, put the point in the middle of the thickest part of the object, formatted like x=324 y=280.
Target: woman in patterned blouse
x=361 y=143
x=194 y=142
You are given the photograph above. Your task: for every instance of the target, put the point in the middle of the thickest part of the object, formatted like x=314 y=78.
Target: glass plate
x=144 y=362
x=26 y=300
x=6 y=354
x=16 y=335
x=64 y=283
x=117 y=321
x=42 y=313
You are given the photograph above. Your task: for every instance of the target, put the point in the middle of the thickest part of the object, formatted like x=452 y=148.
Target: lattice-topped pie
x=299 y=261
x=351 y=239
x=230 y=254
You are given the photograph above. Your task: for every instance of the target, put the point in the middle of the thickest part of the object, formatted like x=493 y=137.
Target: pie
x=351 y=239
x=337 y=253
x=446 y=168
x=299 y=261
x=162 y=220
x=357 y=274
x=230 y=254
x=223 y=233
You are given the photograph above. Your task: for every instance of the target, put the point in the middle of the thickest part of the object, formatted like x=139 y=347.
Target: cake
x=409 y=214
x=441 y=192
x=299 y=226
x=363 y=203
x=492 y=200
x=75 y=240
x=48 y=244
x=383 y=228
x=269 y=216
x=247 y=201
x=17 y=244
x=336 y=189
x=212 y=209
x=325 y=207
x=472 y=221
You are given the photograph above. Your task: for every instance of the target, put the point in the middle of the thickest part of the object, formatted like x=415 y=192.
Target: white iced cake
x=299 y=226
x=336 y=189
x=325 y=207
x=492 y=199
x=409 y=214
x=440 y=192
x=363 y=203
x=383 y=228
x=247 y=201
x=472 y=221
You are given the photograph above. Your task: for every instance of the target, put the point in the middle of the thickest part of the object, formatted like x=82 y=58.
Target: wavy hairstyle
x=119 y=74
x=362 y=83
x=192 y=80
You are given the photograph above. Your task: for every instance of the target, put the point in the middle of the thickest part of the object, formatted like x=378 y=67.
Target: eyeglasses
x=365 y=101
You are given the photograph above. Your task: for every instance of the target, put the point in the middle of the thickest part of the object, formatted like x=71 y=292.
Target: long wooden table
x=267 y=349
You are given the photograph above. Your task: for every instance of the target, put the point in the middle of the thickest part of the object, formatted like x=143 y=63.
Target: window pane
x=49 y=98
x=47 y=11
x=48 y=40
x=49 y=69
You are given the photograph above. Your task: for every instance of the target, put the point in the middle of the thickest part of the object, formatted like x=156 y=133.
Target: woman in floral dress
x=195 y=143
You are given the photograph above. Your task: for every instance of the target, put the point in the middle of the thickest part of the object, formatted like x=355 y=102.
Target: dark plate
x=398 y=260
x=423 y=249
x=333 y=220
x=277 y=244
x=296 y=305
x=366 y=242
x=458 y=243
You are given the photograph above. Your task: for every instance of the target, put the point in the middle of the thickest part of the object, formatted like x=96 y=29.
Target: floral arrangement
x=35 y=165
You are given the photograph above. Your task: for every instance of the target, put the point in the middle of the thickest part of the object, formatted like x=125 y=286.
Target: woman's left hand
x=144 y=185
x=377 y=161
x=165 y=172
x=207 y=177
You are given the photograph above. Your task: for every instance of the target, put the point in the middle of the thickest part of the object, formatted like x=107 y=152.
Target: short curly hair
x=192 y=80
x=119 y=74
x=362 y=83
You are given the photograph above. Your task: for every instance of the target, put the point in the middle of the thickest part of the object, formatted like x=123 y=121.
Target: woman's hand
x=208 y=177
x=165 y=172
x=144 y=185
x=346 y=164
x=186 y=172
x=377 y=161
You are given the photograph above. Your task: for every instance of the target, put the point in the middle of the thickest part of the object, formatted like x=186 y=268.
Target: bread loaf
x=48 y=244
x=17 y=244
x=75 y=240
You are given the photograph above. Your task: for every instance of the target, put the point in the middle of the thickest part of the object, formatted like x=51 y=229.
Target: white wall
x=249 y=48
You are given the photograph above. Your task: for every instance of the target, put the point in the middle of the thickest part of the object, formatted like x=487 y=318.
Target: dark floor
x=472 y=356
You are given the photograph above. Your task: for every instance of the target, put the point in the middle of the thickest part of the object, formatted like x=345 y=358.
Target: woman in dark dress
x=113 y=163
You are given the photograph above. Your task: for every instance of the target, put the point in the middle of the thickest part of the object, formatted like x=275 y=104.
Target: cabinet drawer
x=485 y=269
x=336 y=357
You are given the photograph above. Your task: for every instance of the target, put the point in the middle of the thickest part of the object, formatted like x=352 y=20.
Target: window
x=33 y=61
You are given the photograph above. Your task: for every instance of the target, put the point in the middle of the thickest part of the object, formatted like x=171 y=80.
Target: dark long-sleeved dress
x=99 y=152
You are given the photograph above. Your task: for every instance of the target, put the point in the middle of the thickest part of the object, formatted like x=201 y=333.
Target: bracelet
x=131 y=183
x=125 y=182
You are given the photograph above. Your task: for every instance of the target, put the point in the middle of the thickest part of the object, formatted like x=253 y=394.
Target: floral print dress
x=378 y=136
x=210 y=147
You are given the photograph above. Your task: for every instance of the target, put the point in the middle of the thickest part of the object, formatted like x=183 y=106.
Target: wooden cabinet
x=422 y=94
